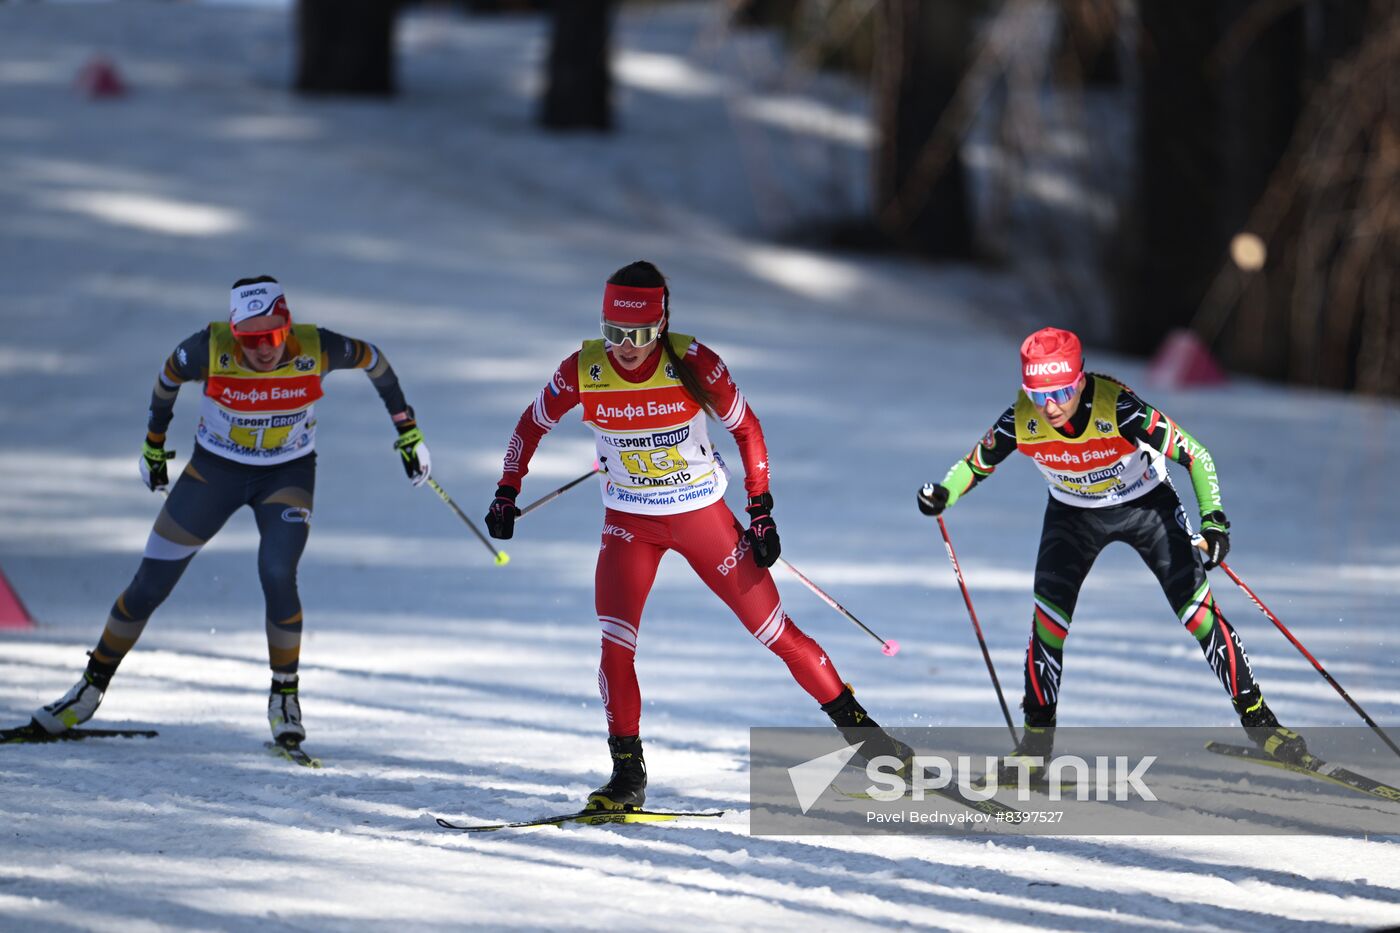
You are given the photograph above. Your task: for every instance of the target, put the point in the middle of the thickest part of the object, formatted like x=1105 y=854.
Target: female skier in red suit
x=647 y=393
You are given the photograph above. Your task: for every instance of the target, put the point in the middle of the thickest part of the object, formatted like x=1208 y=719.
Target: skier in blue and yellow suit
x=255 y=447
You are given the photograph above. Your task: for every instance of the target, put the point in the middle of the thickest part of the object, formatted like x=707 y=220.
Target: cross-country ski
x=586 y=817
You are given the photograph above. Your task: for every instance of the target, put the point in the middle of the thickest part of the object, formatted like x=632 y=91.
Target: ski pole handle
x=502 y=558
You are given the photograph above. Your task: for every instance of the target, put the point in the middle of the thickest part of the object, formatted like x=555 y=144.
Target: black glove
x=500 y=518
x=763 y=532
x=414 y=453
x=933 y=499
x=1215 y=528
x=154 y=472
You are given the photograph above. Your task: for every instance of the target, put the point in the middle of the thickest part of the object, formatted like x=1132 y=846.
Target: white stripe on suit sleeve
x=540 y=413
x=736 y=411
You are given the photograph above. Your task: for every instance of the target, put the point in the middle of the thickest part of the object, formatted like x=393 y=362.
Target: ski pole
x=976 y=627
x=1299 y=645
x=502 y=558
x=889 y=647
x=550 y=497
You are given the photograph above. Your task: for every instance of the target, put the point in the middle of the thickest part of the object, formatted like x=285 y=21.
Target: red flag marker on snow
x=1183 y=361
x=12 y=611
x=100 y=79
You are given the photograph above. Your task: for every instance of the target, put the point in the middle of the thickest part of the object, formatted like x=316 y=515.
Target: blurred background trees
x=922 y=51
x=1279 y=119
x=346 y=46
x=1325 y=309
x=1276 y=118
x=578 y=80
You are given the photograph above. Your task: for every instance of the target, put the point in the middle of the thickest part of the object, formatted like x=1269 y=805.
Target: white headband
x=255 y=300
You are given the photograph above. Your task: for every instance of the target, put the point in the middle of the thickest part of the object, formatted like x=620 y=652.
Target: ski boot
x=627 y=788
x=857 y=728
x=78 y=704
x=1037 y=741
x=1262 y=726
x=284 y=711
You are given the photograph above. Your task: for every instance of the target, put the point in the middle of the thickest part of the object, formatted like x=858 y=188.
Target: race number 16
x=661 y=461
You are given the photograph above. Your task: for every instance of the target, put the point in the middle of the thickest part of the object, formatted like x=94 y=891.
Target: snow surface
x=472 y=248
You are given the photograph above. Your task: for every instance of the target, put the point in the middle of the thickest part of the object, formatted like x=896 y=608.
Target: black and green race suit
x=1090 y=509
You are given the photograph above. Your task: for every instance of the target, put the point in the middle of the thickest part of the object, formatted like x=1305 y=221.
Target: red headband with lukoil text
x=623 y=304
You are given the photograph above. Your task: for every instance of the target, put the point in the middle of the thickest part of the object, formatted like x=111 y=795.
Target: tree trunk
x=578 y=85
x=345 y=46
x=1216 y=116
x=762 y=12
x=1335 y=224
x=505 y=6
x=921 y=199
x=1088 y=53
x=1261 y=92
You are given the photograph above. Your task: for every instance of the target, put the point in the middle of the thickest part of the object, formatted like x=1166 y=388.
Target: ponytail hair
x=1113 y=379
x=642 y=274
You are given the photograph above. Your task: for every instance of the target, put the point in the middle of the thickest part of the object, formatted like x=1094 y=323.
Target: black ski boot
x=856 y=726
x=1262 y=726
x=1037 y=741
x=627 y=788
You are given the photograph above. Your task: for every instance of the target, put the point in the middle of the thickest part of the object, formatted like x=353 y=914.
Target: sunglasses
x=274 y=335
x=1058 y=396
x=643 y=336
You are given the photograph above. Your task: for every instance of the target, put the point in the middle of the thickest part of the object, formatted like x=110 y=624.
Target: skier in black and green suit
x=1103 y=452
